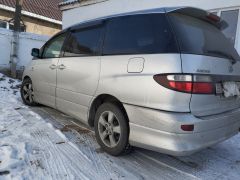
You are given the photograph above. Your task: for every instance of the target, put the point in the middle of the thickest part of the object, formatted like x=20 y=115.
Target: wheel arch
x=98 y=101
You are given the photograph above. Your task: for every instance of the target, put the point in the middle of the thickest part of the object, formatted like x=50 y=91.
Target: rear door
x=137 y=47
x=78 y=70
x=206 y=51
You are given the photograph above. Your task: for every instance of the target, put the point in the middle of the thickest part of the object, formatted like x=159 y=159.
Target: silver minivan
x=163 y=79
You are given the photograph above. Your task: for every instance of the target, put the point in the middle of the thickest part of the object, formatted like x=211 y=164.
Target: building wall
x=33 y=25
x=27 y=41
x=109 y=7
x=90 y=9
x=41 y=27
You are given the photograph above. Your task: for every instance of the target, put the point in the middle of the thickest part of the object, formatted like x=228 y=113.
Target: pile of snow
x=25 y=140
x=11 y=151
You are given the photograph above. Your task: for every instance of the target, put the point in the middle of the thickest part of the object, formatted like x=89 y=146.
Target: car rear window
x=139 y=34
x=196 y=36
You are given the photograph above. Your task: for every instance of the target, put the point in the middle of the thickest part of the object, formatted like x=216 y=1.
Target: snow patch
x=60 y=134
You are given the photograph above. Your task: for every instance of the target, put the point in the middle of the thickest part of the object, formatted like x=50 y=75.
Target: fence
x=27 y=41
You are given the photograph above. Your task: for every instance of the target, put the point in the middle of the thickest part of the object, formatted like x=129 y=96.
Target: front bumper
x=161 y=131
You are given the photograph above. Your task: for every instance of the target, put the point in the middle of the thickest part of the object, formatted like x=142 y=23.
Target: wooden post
x=15 y=42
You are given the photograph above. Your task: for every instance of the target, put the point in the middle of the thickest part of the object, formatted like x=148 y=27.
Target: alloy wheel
x=109 y=129
x=28 y=92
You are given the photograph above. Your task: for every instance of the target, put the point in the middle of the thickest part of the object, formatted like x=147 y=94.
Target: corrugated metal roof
x=47 y=8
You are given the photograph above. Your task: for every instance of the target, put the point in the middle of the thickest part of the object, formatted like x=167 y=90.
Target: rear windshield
x=196 y=36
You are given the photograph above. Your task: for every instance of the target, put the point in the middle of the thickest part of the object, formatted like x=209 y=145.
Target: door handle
x=53 y=66
x=61 y=67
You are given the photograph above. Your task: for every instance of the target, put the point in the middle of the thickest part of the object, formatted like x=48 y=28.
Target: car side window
x=53 y=47
x=83 y=42
x=139 y=34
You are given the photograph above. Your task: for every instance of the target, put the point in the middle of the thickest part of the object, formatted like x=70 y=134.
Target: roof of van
x=187 y=10
x=146 y=11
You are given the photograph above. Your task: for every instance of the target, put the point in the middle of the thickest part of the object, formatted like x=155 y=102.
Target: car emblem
x=230 y=69
x=203 y=71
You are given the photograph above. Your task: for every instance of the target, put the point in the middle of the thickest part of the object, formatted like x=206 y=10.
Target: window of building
x=231 y=17
x=3 y=24
x=10 y=25
x=139 y=34
x=22 y=28
x=83 y=42
x=54 y=46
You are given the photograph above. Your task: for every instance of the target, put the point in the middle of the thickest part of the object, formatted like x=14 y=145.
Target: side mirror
x=35 y=52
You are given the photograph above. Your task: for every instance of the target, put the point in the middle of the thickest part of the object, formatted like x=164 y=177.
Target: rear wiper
x=228 y=56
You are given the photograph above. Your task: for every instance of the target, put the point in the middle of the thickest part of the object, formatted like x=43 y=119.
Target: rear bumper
x=161 y=131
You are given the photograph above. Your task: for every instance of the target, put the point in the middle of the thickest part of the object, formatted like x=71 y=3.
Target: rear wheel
x=112 y=129
x=27 y=93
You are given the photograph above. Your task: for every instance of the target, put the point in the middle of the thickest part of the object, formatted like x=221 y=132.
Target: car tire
x=27 y=92
x=112 y=129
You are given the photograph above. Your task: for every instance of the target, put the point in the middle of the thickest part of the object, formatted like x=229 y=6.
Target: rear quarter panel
x=140 y=88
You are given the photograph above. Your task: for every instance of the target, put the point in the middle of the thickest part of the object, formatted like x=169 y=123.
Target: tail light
x=194 y=84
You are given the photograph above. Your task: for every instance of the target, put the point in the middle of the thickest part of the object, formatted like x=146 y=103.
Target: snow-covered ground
x=42 y=143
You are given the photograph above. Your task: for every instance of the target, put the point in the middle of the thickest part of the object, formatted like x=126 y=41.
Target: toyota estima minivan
x=163 y=79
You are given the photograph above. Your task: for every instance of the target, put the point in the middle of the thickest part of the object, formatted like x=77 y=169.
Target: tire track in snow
x=88 y=142
x=56 y=154
x=96 y=168
x=44 y=157
x=30 y=161
x=67 y=150
x=43 y=142
x=59 y=164
x=105 y=166
x=102 y=162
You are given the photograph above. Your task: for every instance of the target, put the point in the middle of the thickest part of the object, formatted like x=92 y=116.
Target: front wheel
x=27 y=92
x=112 y=129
